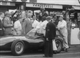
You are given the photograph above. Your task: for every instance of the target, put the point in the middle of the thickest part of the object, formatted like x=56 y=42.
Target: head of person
x=63 y=12
x=60 y=17
x=20 y=18
x=53 y=15
x=29 y=13
x=46 y=13
x=49 y=18
x=23 y=14
x=42 y=9
x=34 y=17
x=1 y=14
x=7 y=14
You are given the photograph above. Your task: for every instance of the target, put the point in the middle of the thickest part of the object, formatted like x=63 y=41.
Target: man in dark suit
x=49 y=36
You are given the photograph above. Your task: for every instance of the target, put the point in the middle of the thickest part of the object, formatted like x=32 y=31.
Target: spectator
x=42 y=26
x=28 y=21
x=62 y=27
x=1 y=24
x=18 y=26
x=44 y=15
x=35 y=22
x=8 y=23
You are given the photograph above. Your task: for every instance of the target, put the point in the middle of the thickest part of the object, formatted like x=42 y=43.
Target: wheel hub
x=19 y=48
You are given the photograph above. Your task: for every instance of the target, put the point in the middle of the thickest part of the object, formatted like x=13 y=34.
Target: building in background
x=50 y=5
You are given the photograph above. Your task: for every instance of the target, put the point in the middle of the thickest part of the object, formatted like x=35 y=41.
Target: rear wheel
x=17 y=47
x=59 y=45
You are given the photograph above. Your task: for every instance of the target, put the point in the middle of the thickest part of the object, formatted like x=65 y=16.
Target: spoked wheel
x=59 y=45
x=17 y=47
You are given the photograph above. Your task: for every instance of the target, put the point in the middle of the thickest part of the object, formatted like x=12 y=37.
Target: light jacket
x=62 y=26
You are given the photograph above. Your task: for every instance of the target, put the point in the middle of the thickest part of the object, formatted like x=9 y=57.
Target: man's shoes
x=65 y=49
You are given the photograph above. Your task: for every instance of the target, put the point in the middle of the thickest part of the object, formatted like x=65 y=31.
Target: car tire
x=59 y=45
x=17 y=47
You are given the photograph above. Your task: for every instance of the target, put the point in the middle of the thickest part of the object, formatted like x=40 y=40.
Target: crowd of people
x=25 y=23
x=13 y=23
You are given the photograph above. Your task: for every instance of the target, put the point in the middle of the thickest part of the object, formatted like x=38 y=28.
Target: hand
x=47 y=39
x=57 y=28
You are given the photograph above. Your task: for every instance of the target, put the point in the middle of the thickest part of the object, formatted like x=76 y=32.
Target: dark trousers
x=1 y=32
x=79 y=24
x=48 y=48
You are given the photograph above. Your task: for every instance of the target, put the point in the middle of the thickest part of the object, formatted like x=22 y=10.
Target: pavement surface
x=73 y=52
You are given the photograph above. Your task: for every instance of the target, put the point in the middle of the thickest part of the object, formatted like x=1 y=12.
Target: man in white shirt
x=35 y=22
x=42 y=27
x=62 y=27
x=38 y=28
x=17 y=27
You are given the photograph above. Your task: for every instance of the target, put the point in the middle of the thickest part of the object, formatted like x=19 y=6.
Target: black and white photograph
x=39 y=28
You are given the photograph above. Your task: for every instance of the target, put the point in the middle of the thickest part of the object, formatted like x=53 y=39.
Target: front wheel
x=17 y=47
x=59 y=45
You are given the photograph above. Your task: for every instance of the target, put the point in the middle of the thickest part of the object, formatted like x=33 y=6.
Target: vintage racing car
x=17 y=44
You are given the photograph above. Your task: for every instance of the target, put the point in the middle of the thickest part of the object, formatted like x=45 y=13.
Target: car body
x=17 y=44
x=8 y=40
